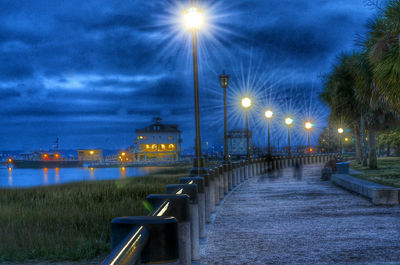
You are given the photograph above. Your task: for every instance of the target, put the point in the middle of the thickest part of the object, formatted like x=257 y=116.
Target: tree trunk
x=373 y=161
x=363 y=144
x=388 y=150
x=358 y=145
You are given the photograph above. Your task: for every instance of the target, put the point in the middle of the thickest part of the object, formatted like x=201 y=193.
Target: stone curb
x=377 y=193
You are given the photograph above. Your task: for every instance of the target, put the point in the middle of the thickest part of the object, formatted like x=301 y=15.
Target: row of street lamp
x=246 y=103
x=193 y=19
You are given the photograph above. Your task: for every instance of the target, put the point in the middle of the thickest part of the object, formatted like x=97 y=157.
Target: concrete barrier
x=377 y=193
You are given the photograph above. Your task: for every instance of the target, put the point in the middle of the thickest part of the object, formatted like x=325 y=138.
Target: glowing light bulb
x=269 y=114
x=193 y=19
x=246 y=102
x=288 y=121
x=308 y=125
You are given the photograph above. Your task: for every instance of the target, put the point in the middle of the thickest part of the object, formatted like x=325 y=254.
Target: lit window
x=170 y=137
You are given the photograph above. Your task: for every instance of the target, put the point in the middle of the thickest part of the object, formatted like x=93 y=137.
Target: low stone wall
x=378 y=194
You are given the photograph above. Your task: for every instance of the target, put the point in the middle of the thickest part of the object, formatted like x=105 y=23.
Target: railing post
x=180 y=209
x=216 y=179
x=201 y=196
x=237 y=173
x=211 y=173
x=230 y=178
x=221 y=182
x=242 y=171
x=226 y=178
x=191 y=190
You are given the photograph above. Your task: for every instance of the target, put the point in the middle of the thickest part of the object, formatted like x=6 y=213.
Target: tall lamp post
x=340 y=131
x=308 y=125
x=224 y=80
x=193 y=20
x=289 y=122
x=246 y=103
x=268 y=115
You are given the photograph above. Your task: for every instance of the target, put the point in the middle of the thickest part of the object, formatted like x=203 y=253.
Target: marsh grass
x=388 y=172
x=72 y=221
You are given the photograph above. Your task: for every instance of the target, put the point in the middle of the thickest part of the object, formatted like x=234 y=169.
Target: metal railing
x=171 y=232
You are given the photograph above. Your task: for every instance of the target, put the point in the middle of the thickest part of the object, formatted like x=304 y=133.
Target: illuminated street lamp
x=308 y=125
x=268 y=115
x=224 y=80
x=340 y=131
x=289 y=122
x=193 y=19
x=246 y=103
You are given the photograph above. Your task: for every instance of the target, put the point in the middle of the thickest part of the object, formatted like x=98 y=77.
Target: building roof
x=157 y=126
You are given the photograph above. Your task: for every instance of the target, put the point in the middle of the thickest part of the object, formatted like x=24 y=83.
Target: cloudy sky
x=91 y=72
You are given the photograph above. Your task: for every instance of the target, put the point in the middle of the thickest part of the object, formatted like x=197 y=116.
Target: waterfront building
x=237 y=141
x=158 y=142
x=92 y=155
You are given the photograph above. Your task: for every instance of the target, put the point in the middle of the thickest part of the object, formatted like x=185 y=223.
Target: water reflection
x=10 y=180
x=91 y=173
x=48 y=176
x=45 y=176
x=122 y=172
x=57 y=172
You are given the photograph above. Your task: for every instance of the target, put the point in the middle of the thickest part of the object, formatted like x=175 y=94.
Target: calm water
x=43 y=177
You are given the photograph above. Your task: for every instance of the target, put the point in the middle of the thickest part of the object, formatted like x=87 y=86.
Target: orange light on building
x=57 y=155
x=123 y=154
x=45 y=156
x=10 y=160
x=91 y=152
x=311 y=150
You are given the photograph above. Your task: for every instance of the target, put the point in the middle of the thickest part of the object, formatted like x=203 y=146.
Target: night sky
x=91 y=72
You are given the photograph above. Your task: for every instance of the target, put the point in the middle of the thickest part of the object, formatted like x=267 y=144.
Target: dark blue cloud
x=91 y=72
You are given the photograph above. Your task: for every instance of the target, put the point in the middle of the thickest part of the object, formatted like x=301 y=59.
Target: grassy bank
x=72 y=221
x=388 y=172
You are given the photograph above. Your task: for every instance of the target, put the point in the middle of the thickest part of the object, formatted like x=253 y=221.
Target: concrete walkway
x=283 y=220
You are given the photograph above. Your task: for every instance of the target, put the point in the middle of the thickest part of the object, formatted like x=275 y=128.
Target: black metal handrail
x=130 y=249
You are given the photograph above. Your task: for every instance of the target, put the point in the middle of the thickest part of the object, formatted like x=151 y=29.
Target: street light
x=289 y=122
x=268 y=115
x=308 y=125
x=340 y=131
x=246 y=103
x=224 y=81
x=193 y=19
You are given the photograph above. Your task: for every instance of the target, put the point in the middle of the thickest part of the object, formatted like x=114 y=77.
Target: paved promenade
x=283 y=220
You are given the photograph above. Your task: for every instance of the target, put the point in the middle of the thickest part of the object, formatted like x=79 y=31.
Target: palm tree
x=383 y=49
x=339 y=94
